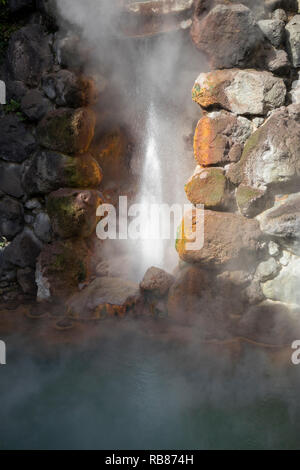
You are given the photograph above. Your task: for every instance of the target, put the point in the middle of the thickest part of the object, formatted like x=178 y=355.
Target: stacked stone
x=48 y=179
x=246 y=147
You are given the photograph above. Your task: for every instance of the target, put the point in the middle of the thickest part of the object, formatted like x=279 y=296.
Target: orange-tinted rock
x=73 y=212
x=67 y=130
x=228 y=239
x=219 y=138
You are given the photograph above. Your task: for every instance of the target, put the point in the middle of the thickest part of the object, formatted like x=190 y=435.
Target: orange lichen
x=202 y=141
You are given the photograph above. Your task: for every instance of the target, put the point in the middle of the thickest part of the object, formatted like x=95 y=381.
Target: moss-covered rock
x=67 y=130
x=73 y=212
x=250 y=201
x=208 y=187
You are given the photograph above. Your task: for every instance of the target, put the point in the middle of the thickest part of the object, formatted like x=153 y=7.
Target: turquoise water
x=133 y=392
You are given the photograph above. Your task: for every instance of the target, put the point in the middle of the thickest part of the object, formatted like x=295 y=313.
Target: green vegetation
x=14 y=107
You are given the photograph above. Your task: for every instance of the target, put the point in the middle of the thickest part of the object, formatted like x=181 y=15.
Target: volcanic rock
x=23 y=250
x=156 y=282
x=11 y=217
x=26 y=279
x=73 y=212
x=208 y=186
x=10 y=179
x=285 y=287
x=35 y=105
x=42 y=227
x=293 y=39
x=240 y=91
x=67 y=130
x=251 y=201
x=16 y=143
x=273 y=30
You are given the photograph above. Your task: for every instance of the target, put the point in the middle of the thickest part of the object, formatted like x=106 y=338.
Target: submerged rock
x=219 y=138
x=73 y=212
x=240 y=91
x=67 y=130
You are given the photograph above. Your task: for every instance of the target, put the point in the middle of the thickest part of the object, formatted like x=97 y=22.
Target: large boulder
x=283 y=222
x=35 y=105
x=11 y=217
x=271 y=155
x=293 y=39
x=29 y=55
x=228 y=35
x=73 y=212
x=228 y=240
x=220 y=137
x=240 y=91
x=105 y=296
x=10 y=179
x=67 y=130
x=16 y=142
x=208 y=186
x=48 y=171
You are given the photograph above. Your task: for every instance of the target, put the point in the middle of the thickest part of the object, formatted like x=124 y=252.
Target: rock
x=10 y=179
x=208 y=186
x=42 y=227
x=33 y=204
x=270 y=157
x=61 y=267
x=34 y=105
x=285 y=287
x=156 y=282
x=267 y=270
x=229 y=239
x=250 y=201
x=285 y=258
x=280 y=15
x=293 y=39
x=277 y=61
x=70 y=51
x=23 y=250
x=15 y=90
x=67 y=130
x=48 y=171
x=67 y=89
x=240 y=91
x=283 y=222
x=26 y=279
x=29 y=55
x=16 y=143
x=274 y=249
x=11 y=217
x=220 y=137
x=105 y=296
x=253 y=294
x=228 y=35
x=273 y=30
x=73 y=212
x=17 y=5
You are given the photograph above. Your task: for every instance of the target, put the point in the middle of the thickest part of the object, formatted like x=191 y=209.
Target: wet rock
x=267 y=270
x=156 y=282
x=48 y=171
x=283 y=222
x=208 y=186
x=240 y=91
x=270 y=157
x=219 y=138
x=61 y=267
x=73 y=212
x=23 y=250
x=67 y=89
x=105 y=297
x=10 y=179
x=11 y=217
x=26 y=279
x=273 y=30
x=16 y=143
x=293 y=39
x=285 y=287
x=251 y=201
x=67 y=130
x=228 y=35
x=35 y=105
x=29 y=55
x=42 y=227
x=228 y=239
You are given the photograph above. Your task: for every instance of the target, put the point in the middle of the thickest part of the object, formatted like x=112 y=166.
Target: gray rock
x=15 y=90
x=274 y=249
x=42 y=227
x=35 y=105
x=66 y=88
x=267 y=270
x=157 y=282
x=11 y=217
x=17 y=5
x=273 y=30
x=283 y=222
x=10 y=179
x=29 y=55
x=285 y=287
x=26 y=279
x=23 y=250
x=277 y=61
x=32 y=204
x=279 y=14
x=293 y=39
x=16 y=143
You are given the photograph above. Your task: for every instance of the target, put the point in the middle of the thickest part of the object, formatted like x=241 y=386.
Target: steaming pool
x=132 y=391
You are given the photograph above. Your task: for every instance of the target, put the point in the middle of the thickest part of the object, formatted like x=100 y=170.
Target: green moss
x=245 y=194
